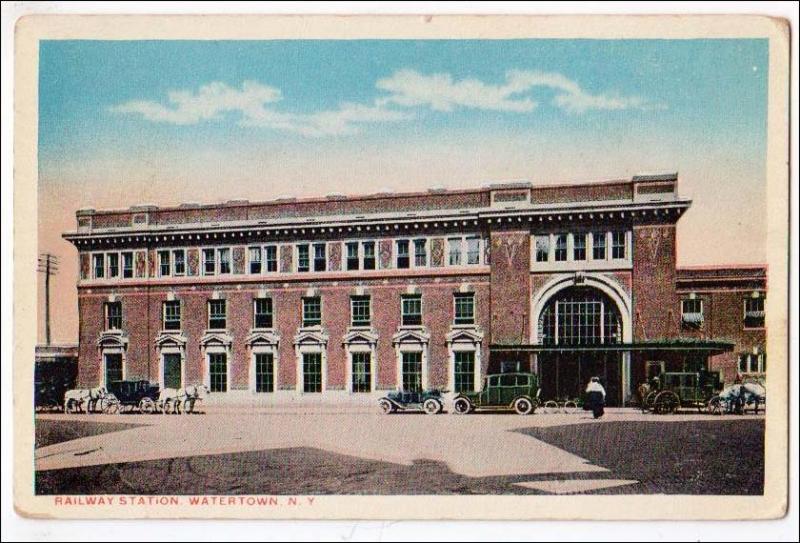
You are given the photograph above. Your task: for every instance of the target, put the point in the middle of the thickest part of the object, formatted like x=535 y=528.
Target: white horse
x=193 y=394
x=74 y=400
x=170 y=400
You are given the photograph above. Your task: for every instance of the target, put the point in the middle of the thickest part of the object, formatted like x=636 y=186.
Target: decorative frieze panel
x=437 y=252
x=141 y=264
x=85 y=266
x=151 y=259
x=286 y=258
x=238 y=260
x=386 y=253
x=193 y=262
x=334 y=256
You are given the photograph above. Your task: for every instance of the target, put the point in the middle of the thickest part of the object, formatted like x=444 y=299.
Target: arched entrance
x=574 y=324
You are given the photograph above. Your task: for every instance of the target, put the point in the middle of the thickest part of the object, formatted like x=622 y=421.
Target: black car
x=428 y=401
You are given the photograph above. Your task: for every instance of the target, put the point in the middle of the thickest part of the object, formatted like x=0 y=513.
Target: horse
x=170 y=400
x=74 y=399
x=193 y=394
x=738 y=396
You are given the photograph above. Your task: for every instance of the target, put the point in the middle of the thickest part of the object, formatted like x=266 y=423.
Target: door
x=113 y=367
x=172 y=371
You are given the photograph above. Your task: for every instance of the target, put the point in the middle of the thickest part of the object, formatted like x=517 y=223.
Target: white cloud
x=405 y=90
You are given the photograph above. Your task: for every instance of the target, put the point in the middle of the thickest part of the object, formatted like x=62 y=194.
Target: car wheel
x=386 y=406
x=523 y=406
x=462 y=406
x=432 y=407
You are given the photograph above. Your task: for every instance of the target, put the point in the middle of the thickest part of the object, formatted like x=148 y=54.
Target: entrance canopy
x=707 y=347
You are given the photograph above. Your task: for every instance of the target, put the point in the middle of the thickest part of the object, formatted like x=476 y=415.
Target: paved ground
x=318 y=452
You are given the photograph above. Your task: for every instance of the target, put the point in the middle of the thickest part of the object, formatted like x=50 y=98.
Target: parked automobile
x=428 y=401
x=501 y=392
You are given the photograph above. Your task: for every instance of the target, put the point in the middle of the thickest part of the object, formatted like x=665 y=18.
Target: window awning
x=709 y=347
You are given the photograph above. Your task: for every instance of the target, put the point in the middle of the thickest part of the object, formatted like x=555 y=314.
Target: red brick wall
x=653 y=282
x=511 y=289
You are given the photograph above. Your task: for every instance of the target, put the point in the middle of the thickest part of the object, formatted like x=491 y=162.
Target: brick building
x=345 y=297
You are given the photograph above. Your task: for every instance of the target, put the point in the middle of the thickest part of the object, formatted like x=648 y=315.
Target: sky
x=165 y=122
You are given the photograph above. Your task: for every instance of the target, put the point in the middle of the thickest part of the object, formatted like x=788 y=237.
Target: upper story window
x=303 y=258
x=692 y=312
x=411 y=309
x=752 y=363
x=163 y=264
x=179 y=262
x=403 y=260
x=754 y=312
x=420 y=253
x=618 y=244
x=561 y=248
x=99 y=266
x=320 y=261
x=271 y=258
x=464 y=308
x=224 y=260
x=209 y=262
x=254 y=257
x=113 y=265
x=113 y=311
x=454 y=251
x=127 y=265
x=599 y=245
x=360 y=311
x=172 y=315
x=368 y=248
x=542 y=244
x=352 y=262
x=579 y=246
x=473 y=250
x=262 y=313
x=217 y=315
x=312 y=311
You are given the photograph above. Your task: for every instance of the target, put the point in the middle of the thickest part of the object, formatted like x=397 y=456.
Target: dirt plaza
x=337 y=450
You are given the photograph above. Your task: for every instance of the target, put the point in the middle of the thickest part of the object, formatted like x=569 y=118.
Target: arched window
x=580 y=316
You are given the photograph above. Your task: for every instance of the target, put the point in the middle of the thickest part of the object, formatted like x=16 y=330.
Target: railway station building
x=346 y=297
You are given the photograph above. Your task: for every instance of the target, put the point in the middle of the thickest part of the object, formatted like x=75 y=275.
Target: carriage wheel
x=714 y=406
x=147 y=406
x=649 y=402
x=432 y=407
x=111 y=407
x=386 y=406
x=462 y=406
x=667 y=402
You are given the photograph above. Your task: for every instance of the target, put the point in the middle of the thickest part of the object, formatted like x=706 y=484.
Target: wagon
x=674 y=390
x=429 y=401
x=141 y=395
x=49 y=396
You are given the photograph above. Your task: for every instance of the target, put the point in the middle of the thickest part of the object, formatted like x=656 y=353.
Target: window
x=411 y=309
x=99 y=266
x=599 y=245
x=618 y=245
x=255 y=259
x=271 y=258
x=209 y=262
x=262 y=313
x=464 y=308
x=172 y=315
x=473 y=250
x=420 y=253
x=303 y=258
x=542 y=244
x=752 y=363
x=454 y=251
x=411 y=371
x=179 y=261
x=217 y=315
x=352 y=255
x=692 y=312
x=320 y=262
x=402 y=254
x=127 y=265
x=579 y=246
x=360 y=310
x=224 y=260
x=464 y=371
x=113 y=315
x=163 y=264
x=580 y=316
x=218 y=372
x=369 y=255
x=113 y=265
x=312 y=372
x=754 y=312
x=312 y=311
x=265 y=372
x=561 y=248
x=362 y=372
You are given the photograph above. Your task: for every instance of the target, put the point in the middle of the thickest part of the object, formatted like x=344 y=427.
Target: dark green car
x=502 y=392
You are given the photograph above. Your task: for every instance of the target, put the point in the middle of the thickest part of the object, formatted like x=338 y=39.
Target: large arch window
x=580 y=316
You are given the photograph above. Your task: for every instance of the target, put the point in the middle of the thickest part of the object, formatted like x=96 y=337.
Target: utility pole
x=48 y=264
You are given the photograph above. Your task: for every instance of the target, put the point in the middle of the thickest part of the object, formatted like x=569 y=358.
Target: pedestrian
x=596 y=396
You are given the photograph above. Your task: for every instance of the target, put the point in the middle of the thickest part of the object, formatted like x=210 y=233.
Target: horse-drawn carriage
x=130 y=395
x=671 y=391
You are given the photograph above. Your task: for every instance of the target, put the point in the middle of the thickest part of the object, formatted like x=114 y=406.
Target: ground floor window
x=172 y=370
x=464 y=371
x=362 y=372
x=113 y=367
x=312 y=372
x=412 y=371
x=265 y=372
x=218 y=372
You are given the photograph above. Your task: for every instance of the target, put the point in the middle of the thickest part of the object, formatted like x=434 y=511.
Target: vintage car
x=501 y=392
x=141 y=395
x=428 y=401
